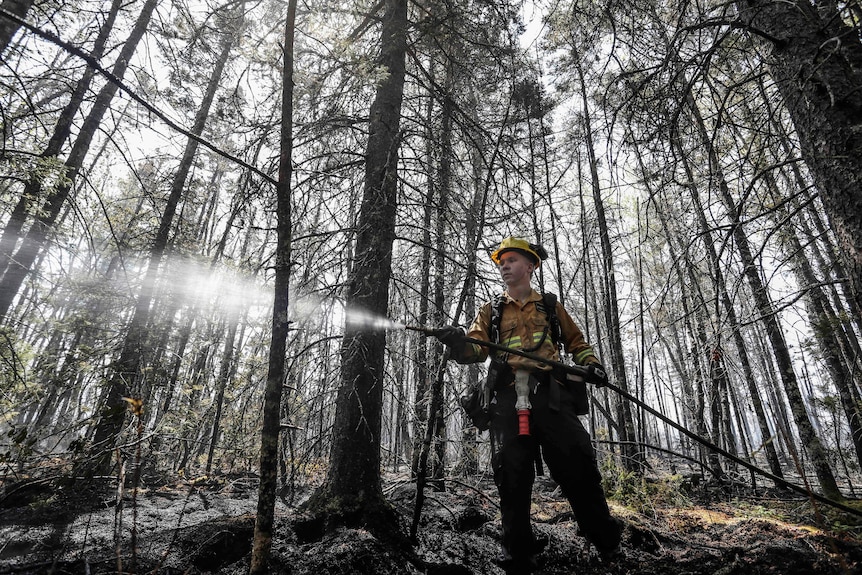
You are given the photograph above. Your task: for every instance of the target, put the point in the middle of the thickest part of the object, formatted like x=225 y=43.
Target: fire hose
x=582 y=372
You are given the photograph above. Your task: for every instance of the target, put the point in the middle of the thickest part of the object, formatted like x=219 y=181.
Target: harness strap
x=549 y=306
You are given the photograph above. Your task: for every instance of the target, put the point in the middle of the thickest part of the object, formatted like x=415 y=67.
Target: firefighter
x=533 y=411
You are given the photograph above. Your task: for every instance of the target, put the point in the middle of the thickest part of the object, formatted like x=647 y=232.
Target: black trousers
x=570 y=459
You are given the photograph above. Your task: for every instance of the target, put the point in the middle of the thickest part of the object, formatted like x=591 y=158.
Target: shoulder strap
x=550 y=302
x=496 y=318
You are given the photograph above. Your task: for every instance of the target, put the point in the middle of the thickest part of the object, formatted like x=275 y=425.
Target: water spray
x=370 y=321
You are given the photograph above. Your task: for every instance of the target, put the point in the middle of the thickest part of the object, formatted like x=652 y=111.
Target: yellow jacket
x=521 y=327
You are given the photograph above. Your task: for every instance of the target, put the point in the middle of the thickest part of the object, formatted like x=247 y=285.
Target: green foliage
x=50 y=172
x=641 y=492
x=13 y=384
x=845 y=523
x=760 y=511
x=813 y=517
x=20 y=447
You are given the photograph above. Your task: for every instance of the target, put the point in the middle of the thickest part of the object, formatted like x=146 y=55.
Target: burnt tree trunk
x=352 y=493
x=721 y=285
x=421 y=371
x=275 y=377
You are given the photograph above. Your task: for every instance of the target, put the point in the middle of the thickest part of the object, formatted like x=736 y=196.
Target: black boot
x=523 y=564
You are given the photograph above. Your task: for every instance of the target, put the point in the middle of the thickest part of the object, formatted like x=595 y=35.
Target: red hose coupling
x=523 y=422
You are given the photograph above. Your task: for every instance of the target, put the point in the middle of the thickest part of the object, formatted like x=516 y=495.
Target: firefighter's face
x=515 y=268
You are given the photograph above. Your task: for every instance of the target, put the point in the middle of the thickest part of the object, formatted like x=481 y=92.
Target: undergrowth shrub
x=641 y=492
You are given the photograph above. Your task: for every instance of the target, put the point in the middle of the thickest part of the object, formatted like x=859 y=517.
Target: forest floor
x=206 y=526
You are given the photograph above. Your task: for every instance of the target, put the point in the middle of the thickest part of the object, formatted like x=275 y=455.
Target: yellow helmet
x=533 y=251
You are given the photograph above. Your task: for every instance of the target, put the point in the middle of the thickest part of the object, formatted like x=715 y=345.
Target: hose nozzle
x=427 y=331
x=522 y=405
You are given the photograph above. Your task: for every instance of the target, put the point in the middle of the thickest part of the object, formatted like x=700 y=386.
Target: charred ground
x=206 y=526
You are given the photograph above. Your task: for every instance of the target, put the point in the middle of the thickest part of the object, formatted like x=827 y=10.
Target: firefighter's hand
x=597 y=375
x=451 y=335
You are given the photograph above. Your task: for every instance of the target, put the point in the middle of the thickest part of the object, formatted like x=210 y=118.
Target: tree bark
x=721 y=286
x=225 y=371
x=817 y=65
x=833 y=346
x=422 y=390
x=352 y=493
x=262 y=541
x=8 y=27
x=445 y=176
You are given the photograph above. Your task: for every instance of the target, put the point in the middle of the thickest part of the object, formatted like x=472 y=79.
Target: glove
x=597 y=375
x=451 y=335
